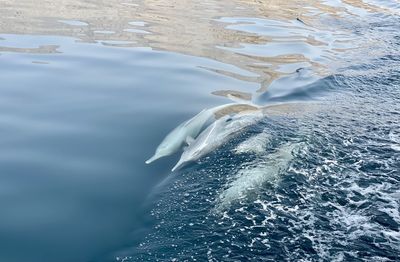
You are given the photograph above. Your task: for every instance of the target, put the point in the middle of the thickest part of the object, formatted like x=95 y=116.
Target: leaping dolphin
x=216 y=135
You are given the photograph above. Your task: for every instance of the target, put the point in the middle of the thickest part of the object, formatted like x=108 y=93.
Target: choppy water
x=88 y=90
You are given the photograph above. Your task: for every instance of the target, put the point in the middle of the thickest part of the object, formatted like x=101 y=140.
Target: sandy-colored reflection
x=193 y=28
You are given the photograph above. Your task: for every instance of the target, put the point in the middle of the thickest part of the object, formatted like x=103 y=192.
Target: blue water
x=317 y=179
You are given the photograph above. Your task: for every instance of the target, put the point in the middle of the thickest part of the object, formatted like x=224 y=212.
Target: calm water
x=88 y=90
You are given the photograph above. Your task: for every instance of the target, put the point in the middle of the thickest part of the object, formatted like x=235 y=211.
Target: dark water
x=83 y=106
x=336 y=198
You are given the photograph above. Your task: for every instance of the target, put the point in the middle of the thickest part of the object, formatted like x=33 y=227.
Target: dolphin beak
x=177 y=166
x=151 y=159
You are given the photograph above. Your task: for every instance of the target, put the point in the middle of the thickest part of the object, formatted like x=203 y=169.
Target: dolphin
x=186 y=132
x=216 y=135
x=268 y=168
x=177 y=137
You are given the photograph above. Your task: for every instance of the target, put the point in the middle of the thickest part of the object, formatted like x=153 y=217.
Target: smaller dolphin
x=216 y=135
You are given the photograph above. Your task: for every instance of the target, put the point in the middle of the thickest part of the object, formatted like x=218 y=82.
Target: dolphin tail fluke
x=151 y=159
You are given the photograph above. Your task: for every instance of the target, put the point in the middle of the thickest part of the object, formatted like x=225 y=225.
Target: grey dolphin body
x=216 y=135
x=186 y=131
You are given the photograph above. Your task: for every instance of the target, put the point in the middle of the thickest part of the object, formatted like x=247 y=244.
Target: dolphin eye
x=229 y=119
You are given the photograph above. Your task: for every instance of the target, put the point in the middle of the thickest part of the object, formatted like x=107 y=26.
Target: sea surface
x=88 y=90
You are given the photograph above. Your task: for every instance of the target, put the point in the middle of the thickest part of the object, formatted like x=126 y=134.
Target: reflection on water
x=88 y=89
x=76 y=129
x=235 y=33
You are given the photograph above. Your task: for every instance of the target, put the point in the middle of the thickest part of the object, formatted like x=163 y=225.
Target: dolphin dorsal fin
x=189 y=140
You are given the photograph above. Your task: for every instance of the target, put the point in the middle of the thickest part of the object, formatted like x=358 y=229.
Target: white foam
x=256 y=144
x=395 y=138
